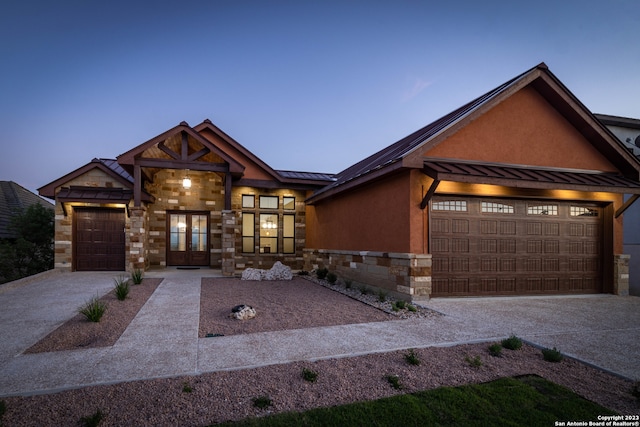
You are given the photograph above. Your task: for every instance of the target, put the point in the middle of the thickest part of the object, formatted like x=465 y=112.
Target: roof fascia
x=48 y=190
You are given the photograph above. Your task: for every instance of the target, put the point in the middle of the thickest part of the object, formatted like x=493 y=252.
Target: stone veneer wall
x=621 y=274
x=206 y=194
x=403 y=275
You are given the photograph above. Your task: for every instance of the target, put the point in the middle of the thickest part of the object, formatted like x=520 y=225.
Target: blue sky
x=304 y=85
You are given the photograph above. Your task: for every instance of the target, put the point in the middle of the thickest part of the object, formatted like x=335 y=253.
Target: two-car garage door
x=515 y=247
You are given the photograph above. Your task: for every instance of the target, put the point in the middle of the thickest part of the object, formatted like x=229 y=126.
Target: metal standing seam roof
x=316 y=176
x=558 y=177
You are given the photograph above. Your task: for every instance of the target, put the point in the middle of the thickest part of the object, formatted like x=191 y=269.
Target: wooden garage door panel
x=507 y=247
x=99 y=239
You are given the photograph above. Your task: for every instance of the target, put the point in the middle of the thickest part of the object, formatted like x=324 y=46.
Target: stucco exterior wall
x=526 y=130
x=371 y=218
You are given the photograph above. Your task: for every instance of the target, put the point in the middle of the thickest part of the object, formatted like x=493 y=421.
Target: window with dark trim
x=289 y=203
x=248 y=232
x=268 y=233
x=248 y=201
x=268 y=202
x=289 y=234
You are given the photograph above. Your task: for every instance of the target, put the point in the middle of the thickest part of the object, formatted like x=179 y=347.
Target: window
x=248 y=232
x=582 y=211
x=289 y=234
x=248 y=201
x=268 y=202
x=268 y=233
x=450 y=205
x=542 y=210
x=289 y=203
x=178 y=232
x=198 y=233
x=488 y=207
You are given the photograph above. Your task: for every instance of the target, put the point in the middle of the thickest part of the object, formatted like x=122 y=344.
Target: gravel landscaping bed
x=221 y=396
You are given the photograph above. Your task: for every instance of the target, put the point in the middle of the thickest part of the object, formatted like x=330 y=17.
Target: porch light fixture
x=186 y=181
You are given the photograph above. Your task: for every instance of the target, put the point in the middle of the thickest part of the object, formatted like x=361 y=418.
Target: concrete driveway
x=162 y=341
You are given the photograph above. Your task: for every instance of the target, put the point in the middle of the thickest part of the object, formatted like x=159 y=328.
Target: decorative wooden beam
x=626 y=205
x=185 y=145
x=179 y=164
x=137 y=185
x=198 y=154
x=430 y=191
x=168 y=151
x=227 y=191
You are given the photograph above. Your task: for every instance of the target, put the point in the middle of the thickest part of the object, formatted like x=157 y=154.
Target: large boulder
x=279 y=271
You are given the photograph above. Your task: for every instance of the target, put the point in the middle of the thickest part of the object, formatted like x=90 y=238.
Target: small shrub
x=412 y=358
x=382 y=296
x=364 y=290
x=136 y=276
x=394 y=380
x=495 y=350
x=262 y=402
x=93 y=309
x=303 y=273
x=186 y=387
x=399 y=305
x=476 y=362
x=552 y=355
x=122 y=288
x=347 y=283
x=332 y=277
x=512 y=343
x=309 y=375
x=412 y=308
x=92 y=420
x=321 y=273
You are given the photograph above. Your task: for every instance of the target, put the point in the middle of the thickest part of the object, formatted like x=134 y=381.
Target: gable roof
x=405 y=152
x=14 y=198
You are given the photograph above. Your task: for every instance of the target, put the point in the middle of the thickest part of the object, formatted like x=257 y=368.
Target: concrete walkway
x=162 y=341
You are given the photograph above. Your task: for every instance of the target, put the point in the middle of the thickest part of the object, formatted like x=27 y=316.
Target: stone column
x=621 y=274
x=229 y=229
x=137 y=249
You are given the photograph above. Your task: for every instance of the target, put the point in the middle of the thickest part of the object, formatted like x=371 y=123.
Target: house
x=518 y=192
x=190 y=197
x=628 y=131
x=15 y=198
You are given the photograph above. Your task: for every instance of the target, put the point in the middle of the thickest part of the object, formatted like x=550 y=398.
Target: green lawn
x=529 y=400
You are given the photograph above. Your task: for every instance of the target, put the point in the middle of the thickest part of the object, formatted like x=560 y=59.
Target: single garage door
x=515 y=247
x=99 y=239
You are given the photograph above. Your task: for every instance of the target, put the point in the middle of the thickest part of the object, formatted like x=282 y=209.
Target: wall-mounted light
x=186 y=181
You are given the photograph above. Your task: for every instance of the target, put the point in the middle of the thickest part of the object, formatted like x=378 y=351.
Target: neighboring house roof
x=402 y=153
x=13 y=198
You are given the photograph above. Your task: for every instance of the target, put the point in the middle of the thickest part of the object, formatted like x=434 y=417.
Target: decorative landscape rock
x=243 y=312
x=279 y=271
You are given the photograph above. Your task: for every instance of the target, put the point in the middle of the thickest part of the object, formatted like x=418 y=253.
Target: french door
x=187 y=238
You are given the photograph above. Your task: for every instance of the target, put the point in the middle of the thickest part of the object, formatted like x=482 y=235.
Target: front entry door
x=188 y=238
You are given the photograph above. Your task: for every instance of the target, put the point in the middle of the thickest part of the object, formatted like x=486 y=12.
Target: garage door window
x=582 y=211
x=488 y=207
x=542 y=210
x=450 y=205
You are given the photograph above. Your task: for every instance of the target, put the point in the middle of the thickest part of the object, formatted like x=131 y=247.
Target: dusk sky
x=304 y=85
